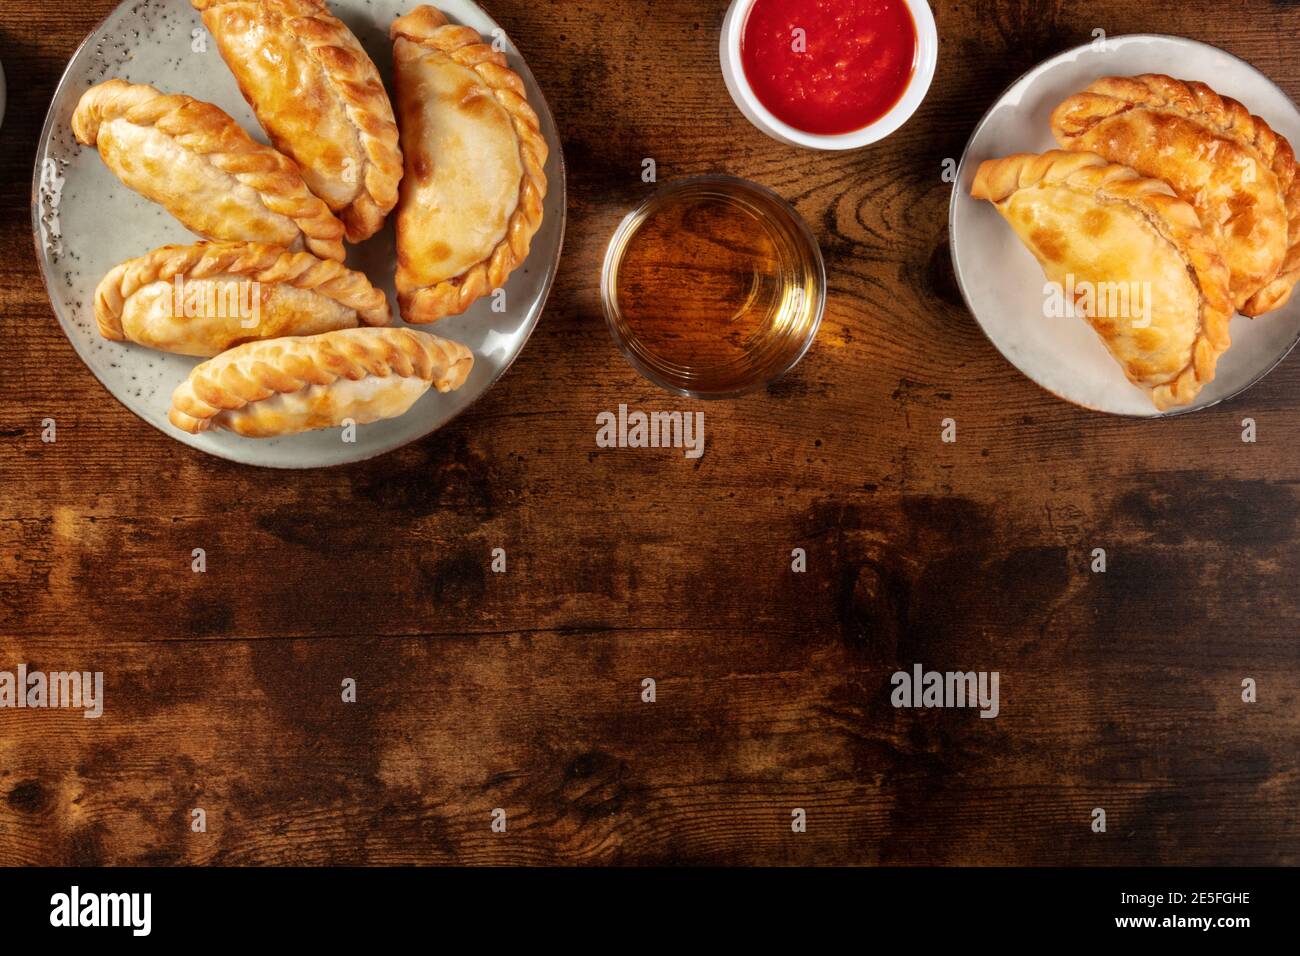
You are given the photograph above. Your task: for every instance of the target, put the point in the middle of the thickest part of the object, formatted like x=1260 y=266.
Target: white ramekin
x=733 y=71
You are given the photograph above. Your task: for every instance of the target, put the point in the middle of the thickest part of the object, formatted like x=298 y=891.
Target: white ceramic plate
x=1002 y=282
x=85 y=222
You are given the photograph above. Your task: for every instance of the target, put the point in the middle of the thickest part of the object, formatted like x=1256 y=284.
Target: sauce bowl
x=733 y=71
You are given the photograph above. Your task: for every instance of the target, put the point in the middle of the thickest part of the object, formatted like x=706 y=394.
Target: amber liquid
x=715 y=287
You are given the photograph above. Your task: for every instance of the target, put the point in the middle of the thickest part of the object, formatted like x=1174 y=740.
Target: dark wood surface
x=523 y=690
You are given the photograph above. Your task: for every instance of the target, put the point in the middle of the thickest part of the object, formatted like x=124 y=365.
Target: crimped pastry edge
x=366 y=101
x=1224 y=116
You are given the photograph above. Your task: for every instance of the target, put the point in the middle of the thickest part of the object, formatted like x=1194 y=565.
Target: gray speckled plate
x=85 y=222
x=1002 y=282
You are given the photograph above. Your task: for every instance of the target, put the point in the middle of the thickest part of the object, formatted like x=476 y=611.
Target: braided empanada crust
x=209 y=134
x=262 y=371
x=257 y=262
x=423 y=31
x=294 y=118
x=997 y=180
x=1194 y=101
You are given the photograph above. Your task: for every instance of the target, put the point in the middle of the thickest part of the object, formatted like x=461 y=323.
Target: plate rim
x=552 y=272
x=957 y=195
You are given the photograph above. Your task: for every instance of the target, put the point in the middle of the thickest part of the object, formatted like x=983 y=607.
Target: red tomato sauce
x=829 y=66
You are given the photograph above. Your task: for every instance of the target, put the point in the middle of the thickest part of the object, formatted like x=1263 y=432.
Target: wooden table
x=523 y=691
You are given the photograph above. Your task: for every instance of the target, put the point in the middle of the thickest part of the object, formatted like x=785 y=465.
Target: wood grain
x=522 y=690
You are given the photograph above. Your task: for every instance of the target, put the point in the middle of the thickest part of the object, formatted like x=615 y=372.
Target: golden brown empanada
x=206 y=298
x=1090 y=222
x=319 y=98
x=1238 y=174
x=471 y=199
x=196 y=161
x=291 y=385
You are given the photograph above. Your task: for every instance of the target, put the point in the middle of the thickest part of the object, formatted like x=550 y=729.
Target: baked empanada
x=291 y=385
x=471 y=199
x=1238 y=174
x=319 y=98
x=206 y=298
x=1103 y=229
x=196 y=161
